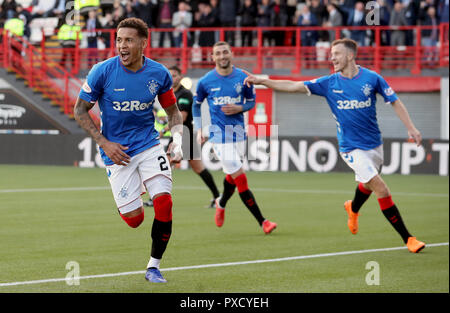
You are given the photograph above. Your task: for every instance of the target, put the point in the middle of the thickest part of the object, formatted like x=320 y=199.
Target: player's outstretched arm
x=278 y=85
x=176 y=127
x=403 y=115
x=112 y=149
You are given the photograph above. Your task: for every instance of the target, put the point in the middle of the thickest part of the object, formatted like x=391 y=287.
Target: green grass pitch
x=49 y=218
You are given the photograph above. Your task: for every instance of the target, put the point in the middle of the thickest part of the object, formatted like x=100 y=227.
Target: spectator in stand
x=25 y=16
x=384 y=12
x=430 y=37
x=307 y=19
x=60 y=8
x=357 y=18
x=398 y=19
x=130 y=10
x=15 y=28
x=264 y=19
x=118 y=15
x=320 y=12
x=279 y=18
x=67 y=36
x=43 y=8
x=144 y=11
x=291 y=7
x=165 y=13
x=206 y=19
x=8 y=9
x=411 y=16
x=192 y=7
x=248 y=19
x=334 y=20
x=181 y=20
x=215 y=12
x=227 y=14
x=92 y=26
x=318 y=9
x=443 y=11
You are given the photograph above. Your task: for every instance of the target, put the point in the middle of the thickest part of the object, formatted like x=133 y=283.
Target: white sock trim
x=153 y=263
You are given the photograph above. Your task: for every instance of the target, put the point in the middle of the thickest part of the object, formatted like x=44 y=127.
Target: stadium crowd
x=179 y=14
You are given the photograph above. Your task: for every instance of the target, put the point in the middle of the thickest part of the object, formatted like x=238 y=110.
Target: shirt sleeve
x=318 y=86
x=165 y=94
x=383 y=88
x=249 y=94
x=166 y=82
x=92 y=88
x=199 y=97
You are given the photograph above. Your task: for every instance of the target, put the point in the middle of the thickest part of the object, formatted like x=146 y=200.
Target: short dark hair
x=348 y=43
x=221 y=43
x=175 y=68
x=136 y=23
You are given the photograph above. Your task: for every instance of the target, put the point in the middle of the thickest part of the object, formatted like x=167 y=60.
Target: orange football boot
x=352 y=221
x=220 y=214
x=268 y=226
x=414 y=245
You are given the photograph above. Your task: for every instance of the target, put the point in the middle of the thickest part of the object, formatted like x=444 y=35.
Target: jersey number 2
x=163 y=164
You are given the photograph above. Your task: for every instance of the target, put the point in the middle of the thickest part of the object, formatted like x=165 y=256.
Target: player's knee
x=163 y=207
x=133 y=220
x=241 y=183
x=133 y=213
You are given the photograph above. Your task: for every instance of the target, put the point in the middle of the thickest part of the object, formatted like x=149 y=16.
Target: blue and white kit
x=227 y=132
x=352 y=102
x=126 y=100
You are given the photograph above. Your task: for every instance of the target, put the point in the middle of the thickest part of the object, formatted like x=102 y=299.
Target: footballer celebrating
x=125 y=87
x=351 y=95
x=228 y=98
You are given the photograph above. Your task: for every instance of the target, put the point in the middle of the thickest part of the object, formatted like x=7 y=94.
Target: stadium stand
x=38 y=63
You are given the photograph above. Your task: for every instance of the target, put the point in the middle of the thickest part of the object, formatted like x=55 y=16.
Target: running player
x=351 y=94
x=125 y=87
x=228 y=98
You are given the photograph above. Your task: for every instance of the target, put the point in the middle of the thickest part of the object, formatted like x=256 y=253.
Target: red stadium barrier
x=292 y=56
x=41 y=73
x=40 y=65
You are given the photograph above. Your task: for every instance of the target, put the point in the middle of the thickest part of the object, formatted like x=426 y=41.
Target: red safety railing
x=292 y=55
x=43 y=70
x=41 y=73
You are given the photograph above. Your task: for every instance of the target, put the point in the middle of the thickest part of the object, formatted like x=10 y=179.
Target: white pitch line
x=302 y=257
x=311 y=191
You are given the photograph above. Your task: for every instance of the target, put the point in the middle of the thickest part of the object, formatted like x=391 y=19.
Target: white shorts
x=231 y=155
x=149 y=170
x=365 y=164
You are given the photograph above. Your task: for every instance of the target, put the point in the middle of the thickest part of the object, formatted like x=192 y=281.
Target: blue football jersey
x=352 y=102
x=126 y=100
x=220 y=90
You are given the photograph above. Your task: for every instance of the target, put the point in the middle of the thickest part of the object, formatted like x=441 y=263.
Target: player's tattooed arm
x=176 y=127
x=81 y=114
x=112 y=149
x=175 y=119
